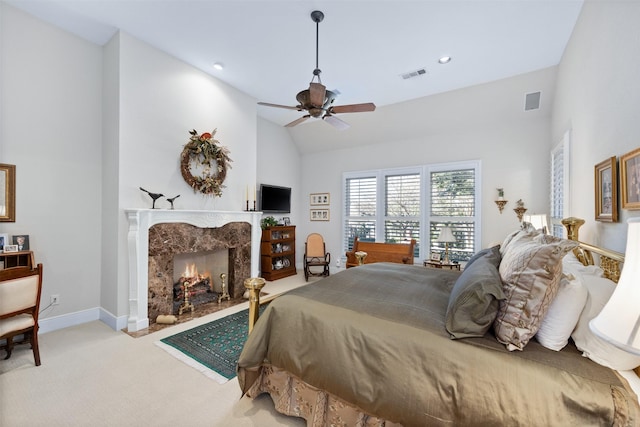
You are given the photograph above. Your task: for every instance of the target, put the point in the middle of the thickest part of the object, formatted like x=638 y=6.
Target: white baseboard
x=79 y=317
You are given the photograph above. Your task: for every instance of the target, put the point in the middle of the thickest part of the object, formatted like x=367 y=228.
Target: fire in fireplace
x=199 y=275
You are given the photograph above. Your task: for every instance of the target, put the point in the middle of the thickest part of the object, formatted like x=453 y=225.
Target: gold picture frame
x=319 y=199
x=319 y=215
x=630 y=179
x=7 y=193
x=606 y=190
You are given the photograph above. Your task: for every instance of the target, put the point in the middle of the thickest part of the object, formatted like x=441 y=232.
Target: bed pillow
x=526 y=229
x=492 y=254
x=564 y=312
x=473 y=302
x=571 y=265
x=530 y=269
x=592 y=346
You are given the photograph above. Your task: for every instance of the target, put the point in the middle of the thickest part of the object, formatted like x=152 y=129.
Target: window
x=398 y=205
x=560 y=184
x=454 y=203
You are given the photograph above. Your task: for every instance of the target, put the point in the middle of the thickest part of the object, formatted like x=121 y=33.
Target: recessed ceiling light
x=218 y=66
x=444 y=60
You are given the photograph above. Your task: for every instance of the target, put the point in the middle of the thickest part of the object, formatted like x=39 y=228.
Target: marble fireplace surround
x=141 y=220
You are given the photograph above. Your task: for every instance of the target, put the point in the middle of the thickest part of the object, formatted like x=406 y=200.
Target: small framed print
x=606 y=179
x=630 y=179
x=319 y=214
x=4 y=240
x=21 y=241
x=435 y=256
x=286 y=220
x=318 y=199
x=11 y=248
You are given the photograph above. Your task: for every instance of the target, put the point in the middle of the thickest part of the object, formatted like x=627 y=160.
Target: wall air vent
x=416 y=73
x=532 y=101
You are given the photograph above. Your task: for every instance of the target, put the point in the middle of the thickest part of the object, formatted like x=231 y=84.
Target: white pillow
x=571 y=265
x=563 y=314
x=593 y=347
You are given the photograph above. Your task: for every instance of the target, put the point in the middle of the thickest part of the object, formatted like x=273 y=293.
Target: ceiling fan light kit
x=317 y=101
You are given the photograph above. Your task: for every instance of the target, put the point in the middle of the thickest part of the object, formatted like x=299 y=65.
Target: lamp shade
x=539 y=221
x=446 y=235
x=619 y=321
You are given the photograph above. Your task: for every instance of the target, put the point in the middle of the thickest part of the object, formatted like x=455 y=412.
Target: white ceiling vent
x=532 y=101
x=416 y=73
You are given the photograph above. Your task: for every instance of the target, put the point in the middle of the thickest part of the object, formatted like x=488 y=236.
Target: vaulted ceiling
x=268 y=48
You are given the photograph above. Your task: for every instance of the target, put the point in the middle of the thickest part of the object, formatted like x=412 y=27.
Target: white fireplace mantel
x=140 y=220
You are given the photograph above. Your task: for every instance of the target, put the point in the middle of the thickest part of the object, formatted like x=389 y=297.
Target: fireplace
x=156 y=236
x=195 y=244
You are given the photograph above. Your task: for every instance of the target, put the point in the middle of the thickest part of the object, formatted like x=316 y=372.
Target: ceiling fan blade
x=336 y=122
x=266 y=104
x=316 y=94
x=354 y=108
x=297 y=121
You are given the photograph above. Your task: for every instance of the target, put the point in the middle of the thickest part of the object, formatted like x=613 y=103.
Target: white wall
x=279 y=164
x=484 y=122
x=598 y=98
x=51 y=130
x=86 y=126
x=160 y=100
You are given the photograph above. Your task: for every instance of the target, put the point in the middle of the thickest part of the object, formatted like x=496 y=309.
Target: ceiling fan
x=317 y=100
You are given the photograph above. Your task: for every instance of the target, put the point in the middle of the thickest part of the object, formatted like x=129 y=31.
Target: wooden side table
x=435 y=264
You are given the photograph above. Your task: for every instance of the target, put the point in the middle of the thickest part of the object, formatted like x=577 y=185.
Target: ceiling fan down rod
x=317 y=17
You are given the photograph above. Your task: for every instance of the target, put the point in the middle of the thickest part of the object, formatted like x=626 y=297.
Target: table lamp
x=619 y=321
x=539 y=221
x=446 y=236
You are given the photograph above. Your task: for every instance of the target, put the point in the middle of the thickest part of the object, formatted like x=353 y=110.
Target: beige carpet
x=92 y=375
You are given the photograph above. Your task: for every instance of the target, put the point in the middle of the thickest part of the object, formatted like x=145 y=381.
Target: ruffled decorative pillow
x=530 y=269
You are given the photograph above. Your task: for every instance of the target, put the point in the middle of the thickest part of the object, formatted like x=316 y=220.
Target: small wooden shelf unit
x=278 y=252
x=17 y=259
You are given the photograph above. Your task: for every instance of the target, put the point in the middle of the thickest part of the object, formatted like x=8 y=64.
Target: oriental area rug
x=212 y=348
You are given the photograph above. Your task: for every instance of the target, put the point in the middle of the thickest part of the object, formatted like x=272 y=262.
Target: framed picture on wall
x=317 y=199
x=630 y=179
x=319 y=214
x=606 y=190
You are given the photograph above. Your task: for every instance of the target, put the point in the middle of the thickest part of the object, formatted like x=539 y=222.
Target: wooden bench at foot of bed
x=401 y=253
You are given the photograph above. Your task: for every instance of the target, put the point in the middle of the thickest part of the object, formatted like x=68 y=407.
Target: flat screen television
x=274 y=199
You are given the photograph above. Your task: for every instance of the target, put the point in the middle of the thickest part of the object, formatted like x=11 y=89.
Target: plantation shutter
x=453 y=204
x=360 y=210
x=559 y=185
x=402 y=209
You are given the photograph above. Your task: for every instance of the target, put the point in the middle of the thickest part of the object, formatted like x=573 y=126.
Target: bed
x=373 y=345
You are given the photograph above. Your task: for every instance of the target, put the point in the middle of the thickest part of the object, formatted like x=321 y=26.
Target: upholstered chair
x=20 y=289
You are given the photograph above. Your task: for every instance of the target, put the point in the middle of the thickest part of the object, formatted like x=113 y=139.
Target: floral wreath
x=203 y=150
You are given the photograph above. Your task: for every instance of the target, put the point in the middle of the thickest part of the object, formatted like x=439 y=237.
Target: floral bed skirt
x=292 y=396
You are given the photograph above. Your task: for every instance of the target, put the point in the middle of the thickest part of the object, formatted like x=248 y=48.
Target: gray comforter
x=374 y=336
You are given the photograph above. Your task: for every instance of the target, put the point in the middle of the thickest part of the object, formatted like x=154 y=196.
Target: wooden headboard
x=610 y=261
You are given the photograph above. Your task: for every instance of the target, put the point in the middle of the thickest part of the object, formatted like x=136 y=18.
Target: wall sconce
x=520 y=209
x=501 y=201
